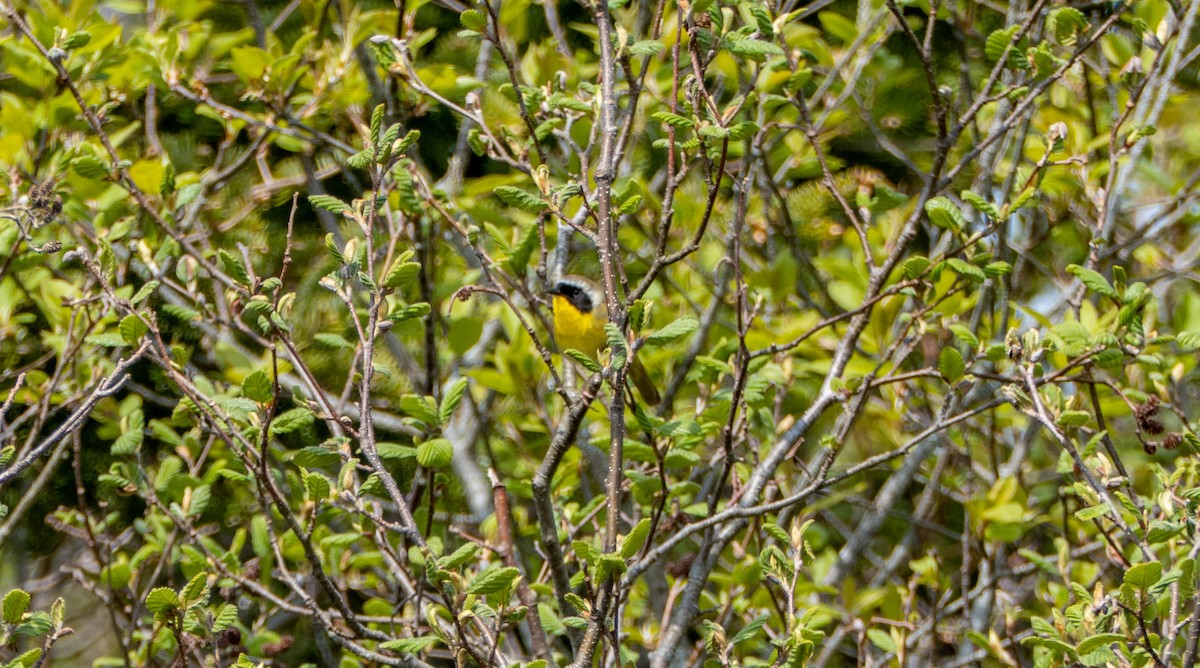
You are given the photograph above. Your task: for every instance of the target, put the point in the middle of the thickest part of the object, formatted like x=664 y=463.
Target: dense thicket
x=916 y=280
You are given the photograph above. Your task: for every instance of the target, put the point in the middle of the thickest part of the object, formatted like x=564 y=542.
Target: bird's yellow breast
x=575 y=329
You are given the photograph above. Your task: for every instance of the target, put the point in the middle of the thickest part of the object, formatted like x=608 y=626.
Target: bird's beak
x=553 y=290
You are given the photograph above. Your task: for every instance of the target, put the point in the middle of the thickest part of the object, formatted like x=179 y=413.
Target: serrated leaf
x=951 y=364
x=521 y=199
x=412 y=645
x=493 y=581
x=144 y=292
x=195 y=589
x=436 y=453
x=751 y=49
x=1189 y=341
x=674 y=120
x=882 y=639
x=233 y=265
x=1093 y=280
x=585 y=361
x=402 y=273
x=616 y=343
x=132 y=329
x=1142 y=576
x=450 y=400
x=964 y=334
x=1074 y=418
x=915 y=266
x=90 y=167
x=1000 y=40
x=473 y=20
x=330 y=204
x=16 y=602
x=317 y=486
x=1068 y=24
x=681 y=327
x=420 y=407
x=750 y=630
x=966 y=269
x=227 y=617
x=944 y=213
x=162 y=599
x=636 y=539
x=1091 y=512
x=290 y=421
x=777 y=532
x=980 y=204
x=1098 y=641
x=258 y=387
x=460 y=557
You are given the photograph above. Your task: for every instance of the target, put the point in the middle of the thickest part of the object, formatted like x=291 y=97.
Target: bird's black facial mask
x=576 y=294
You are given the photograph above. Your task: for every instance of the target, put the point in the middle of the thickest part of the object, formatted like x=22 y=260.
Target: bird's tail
x=644 y=383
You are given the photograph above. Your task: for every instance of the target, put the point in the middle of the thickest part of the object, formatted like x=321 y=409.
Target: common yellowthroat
x=579 y=317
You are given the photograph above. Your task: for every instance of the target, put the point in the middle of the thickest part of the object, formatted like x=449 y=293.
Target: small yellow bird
x=579 y=317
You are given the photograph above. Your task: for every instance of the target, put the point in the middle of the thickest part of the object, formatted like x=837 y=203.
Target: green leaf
x=999 y=40
x=90 y=167
x=915 y=266
x=585 y=361
x=681 y=327
x=195 y=590
x=402 y=273
x=132 y=329
x=521 y=199
x=1068 y=24
x=436 y=453
x=258 y=387
x=751 y=49
x=330 y=204
x=1074 y=418
x=422 y=408
x=633 y=543
x=980 y=204
x=227 y=617
x=616 y=343
x=473 y=20
x=450 y=400
x=16 y=602
x=144 y=292
x=1093 y=280
x=460 y=557
x=1142 y=576
x=882 y=639
x=161 y=600
x=777 y=532
x=316 y=486
x=421 y=643
x=944 y=213
x=750 y=630
x=964 y=334
x=1189 y=341
x=966 y=269
x=290 y=421
x=233 y=265
x=1091 y=512
x=494 y=580
x=674 y=120
x=1093 y=643
x=951 y=364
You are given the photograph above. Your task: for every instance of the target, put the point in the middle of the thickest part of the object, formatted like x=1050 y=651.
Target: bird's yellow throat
x=575 y=329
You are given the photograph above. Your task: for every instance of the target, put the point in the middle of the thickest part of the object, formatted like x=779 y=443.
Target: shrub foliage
x=914 y=278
